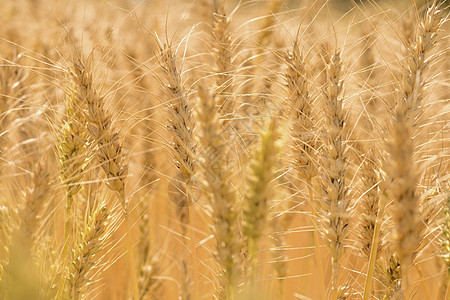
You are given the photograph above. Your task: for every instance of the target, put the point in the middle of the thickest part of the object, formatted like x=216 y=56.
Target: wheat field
x=215 y=149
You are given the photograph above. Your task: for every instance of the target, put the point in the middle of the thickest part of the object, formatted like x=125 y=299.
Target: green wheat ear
x=259 y=194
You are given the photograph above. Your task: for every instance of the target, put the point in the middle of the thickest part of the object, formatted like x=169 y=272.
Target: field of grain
x=215 y=149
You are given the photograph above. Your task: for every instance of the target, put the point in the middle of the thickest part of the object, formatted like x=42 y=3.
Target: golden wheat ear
x=404 y=128
x=184 y=152
x=182 y=123
x=301 y=118
x=72 y=143
x=72 y=148
x=223 y=57
x=101 y=129
x=23 y=239
x=109 y=147
x=217 y=173
x=85 y=254
x=334 y=198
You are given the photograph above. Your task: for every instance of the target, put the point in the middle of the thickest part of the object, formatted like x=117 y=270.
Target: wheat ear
x=72 y=145
x=405 y=120
x=334 y=196
x=302 y=132
x=223 y=198
x=259 y=195
x=301 y=116
x=89 y=244
x=181 y=121
x=35 y=200
x=109 y=152
x=183 y=149
x=223 y=57
x=266 y=30
x=100 y=128
x=393 y=275
x=149 y=284
x=20 y=277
